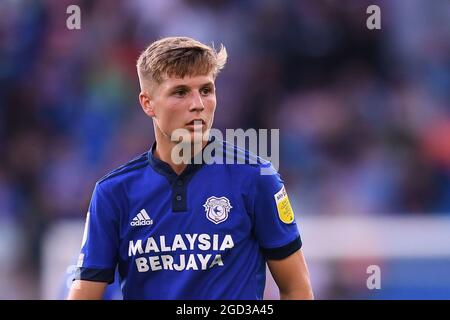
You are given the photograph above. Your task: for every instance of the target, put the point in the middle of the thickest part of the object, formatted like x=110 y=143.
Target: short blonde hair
x=179 y=56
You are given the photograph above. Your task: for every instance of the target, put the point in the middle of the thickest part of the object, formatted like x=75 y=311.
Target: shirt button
x=179 y=198
x=179 y=183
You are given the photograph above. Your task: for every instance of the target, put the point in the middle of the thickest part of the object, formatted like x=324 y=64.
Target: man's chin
x=191 y=138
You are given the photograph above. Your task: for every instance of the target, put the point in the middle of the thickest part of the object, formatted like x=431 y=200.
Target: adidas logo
x=141 y=219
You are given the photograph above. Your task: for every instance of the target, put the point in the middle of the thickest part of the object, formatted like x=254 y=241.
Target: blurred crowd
x=363 y=114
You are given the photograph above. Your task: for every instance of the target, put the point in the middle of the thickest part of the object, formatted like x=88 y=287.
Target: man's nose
x=196 y=103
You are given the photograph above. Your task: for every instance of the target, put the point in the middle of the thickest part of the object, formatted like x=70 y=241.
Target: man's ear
x=147 y=104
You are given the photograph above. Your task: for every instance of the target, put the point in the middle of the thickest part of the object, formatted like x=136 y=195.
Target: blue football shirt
x=204 y=234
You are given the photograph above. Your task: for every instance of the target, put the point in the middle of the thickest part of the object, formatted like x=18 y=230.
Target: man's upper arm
x=291 y=276
x=98 y=258
x=274 y=221
x=87 y=290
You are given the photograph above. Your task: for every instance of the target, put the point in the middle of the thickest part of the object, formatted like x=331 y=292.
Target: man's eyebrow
x=180 y=86
x=209 y=83
x=185 y=87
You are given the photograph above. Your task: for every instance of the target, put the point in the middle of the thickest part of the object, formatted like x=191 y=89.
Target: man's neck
x=163 y=152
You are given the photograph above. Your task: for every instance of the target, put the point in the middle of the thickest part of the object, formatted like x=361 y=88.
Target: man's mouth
x=196 y=122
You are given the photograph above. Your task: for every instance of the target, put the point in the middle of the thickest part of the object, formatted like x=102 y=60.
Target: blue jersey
x=204 y=234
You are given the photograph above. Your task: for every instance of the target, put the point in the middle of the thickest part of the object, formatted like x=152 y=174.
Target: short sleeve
x=275 y=226
x=99 y=249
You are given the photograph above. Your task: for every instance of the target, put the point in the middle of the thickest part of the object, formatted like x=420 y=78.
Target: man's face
x=177 y=102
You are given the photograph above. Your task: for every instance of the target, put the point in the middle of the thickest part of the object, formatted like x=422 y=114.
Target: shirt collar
x=164 y=168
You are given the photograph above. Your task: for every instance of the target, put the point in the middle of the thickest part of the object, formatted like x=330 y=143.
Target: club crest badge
x=217 y=209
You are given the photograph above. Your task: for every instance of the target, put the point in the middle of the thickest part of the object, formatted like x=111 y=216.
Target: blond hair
x=179 y=56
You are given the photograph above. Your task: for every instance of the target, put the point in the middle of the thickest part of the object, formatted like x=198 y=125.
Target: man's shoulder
x=125 y=171
x=241 y=159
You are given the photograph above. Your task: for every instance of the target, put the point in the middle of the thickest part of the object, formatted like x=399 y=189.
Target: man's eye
x=205 y=91
x=180 y=93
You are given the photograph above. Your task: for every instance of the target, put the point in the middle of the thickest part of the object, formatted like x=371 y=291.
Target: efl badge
x=217 y=209
x=285 y=212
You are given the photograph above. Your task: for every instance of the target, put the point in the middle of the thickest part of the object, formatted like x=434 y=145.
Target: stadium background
x=363 y=118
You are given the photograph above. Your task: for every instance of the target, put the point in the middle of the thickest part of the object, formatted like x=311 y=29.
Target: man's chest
x=211 y=211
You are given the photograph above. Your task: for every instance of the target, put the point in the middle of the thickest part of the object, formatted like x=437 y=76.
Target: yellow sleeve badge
x=285 y=212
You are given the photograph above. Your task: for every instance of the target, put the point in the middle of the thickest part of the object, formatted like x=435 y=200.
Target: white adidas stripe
x=144 y=213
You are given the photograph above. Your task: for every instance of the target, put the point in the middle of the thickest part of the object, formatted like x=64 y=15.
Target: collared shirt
x=204 y=234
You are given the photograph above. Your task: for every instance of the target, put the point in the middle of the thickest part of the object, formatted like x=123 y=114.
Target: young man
x=188 y=230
